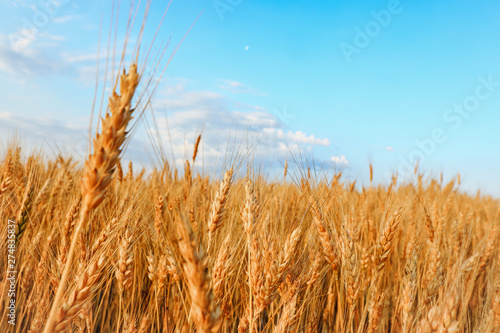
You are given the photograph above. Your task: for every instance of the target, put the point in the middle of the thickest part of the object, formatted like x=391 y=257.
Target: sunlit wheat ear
x=124 y=270
x=151 y=266
x=218 y=205
x=491 y=245
x=429 y=227
x=7 y=178
x=220 y=270
x=441 y=317
x=130 y=327
x=68 y=227
x=325 y=238
x=41 y=270
x=202 y=307
x=98 y=168
x=80 y=294
x=314 y=271
x=276 y=274
x=384 y=246
x=449 y=321
x=433 y=275
x=409 y=292
x=161 y=276
x=196 y=146
x=351 y=272
x=250 y=217
x=375 y=310
x=145 y=322
x=495 y=306
x=100 y=165
x=288 y=316
x=289 y=251
x=23 y=215
x=37 y=323
x=158 y=221
x=244 y=324
x=103 y=237
x=250 y=212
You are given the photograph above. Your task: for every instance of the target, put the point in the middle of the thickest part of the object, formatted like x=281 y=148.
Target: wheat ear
x=197 y=280
x=249 y=216
x=218 y=205
x=125 y=269
x=220 y=270
x=495 y=306
x=324 y=236
x=195 y=150
x=384 y=246
x=99 y=167
x=23 y=216
x=79 y=295
x=289 y=315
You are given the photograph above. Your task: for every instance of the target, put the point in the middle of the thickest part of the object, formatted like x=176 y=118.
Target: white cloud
x=62 y=137
x=226 y=126
x=55 y=137
x=67 y=18
x=389 y=148
x=339 y=160
x=236 y=87
x=26 y=53
x=298 y=137
x=228 y=130
x=33 y=54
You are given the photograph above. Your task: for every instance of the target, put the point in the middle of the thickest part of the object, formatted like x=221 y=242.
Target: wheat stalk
x=205 y=318
x=384 y=246
x=324 y=236
x=79 y=295
x=218 y=205
x=99 y=167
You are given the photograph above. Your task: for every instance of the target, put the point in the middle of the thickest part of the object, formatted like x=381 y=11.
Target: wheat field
x=170 y=253
x=92 y=246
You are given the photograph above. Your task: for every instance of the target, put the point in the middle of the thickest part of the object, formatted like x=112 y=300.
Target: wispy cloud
x=226 y=125
x=340 y=160
x=42 y=54
x=66 y=18
x=56 y=137
x=236 y=87
x=63 y=137
x=229 y=129
x=31 y=55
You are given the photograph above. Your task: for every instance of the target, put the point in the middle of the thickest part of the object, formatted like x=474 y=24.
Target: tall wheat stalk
x=99 y=167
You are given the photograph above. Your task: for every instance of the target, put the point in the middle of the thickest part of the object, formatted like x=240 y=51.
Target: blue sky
x=348 y=82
